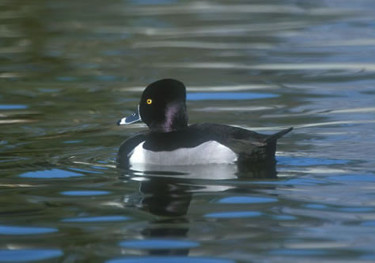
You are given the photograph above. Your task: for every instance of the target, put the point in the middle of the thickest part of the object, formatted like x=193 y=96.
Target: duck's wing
x=256 y=149
x=225 y=133
x=274 y=137
x=248 y=145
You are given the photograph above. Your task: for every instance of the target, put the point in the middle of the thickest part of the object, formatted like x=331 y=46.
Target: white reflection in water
x=231 y=88
x=228 y=96
x=216 y=8
x=200 y=45
x=278 y=66
x=236 y=109
x=322 y=112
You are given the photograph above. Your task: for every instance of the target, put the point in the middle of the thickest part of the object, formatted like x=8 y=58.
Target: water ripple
x=96 y=219
x=50 y=174
x=169 y=259
x=234 y=214
x=22 y=230
x=246 y=200
x=370 y=67
x=158 y=244
x=20 y=255
x=85 y=193
x=13 y=107
x=228 y=96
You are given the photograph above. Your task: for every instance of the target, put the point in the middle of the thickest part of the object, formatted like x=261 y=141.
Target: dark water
x=70 y=69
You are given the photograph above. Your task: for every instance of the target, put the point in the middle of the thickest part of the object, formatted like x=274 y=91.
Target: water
x=70 y=69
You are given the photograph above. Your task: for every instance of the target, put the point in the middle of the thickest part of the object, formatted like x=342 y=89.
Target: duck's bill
x=130 y=119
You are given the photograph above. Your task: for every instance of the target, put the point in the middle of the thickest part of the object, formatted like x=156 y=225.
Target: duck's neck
x=175 y=119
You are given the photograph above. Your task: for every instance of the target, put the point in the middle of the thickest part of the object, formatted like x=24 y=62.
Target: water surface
x=69 y=70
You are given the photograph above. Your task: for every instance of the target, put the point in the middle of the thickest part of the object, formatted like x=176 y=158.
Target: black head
x=162 y=106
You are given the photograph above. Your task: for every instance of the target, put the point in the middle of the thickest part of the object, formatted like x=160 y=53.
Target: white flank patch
x=210 y=152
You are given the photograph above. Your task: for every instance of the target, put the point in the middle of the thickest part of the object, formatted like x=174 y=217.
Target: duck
x=171 y=141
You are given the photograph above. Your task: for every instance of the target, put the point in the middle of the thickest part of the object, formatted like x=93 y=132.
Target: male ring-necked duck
x=170 y=141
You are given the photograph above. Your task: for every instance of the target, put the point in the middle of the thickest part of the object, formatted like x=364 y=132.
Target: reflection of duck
x=171 y=141
x=169 y=200
x=165 y=196
x=171 y=232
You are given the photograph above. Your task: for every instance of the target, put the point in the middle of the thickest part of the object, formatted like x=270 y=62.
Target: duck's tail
x=277 y=135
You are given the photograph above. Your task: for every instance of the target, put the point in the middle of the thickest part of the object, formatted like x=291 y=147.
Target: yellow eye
x=149 y=101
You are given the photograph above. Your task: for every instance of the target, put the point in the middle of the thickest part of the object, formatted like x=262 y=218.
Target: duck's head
x=162 y=107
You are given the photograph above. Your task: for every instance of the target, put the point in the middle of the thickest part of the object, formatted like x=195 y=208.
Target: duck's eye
x=149 y=101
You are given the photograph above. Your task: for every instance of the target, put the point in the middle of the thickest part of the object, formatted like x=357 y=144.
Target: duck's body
x=172 y=142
